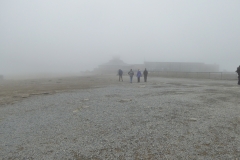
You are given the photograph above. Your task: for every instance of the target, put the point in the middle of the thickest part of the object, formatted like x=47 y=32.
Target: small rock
x=85 y=106
x=179 y=92
x=125 y=100
x=75 y=111
x=86 y=99
x=192 y=119
x=238 y=149
x=238 y=119
x=25 y=96
x=220 y=147
x=143 y=86
x=207 y=143
x=35 y=93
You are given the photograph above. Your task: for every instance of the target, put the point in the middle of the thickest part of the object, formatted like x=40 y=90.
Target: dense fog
x=60 y=36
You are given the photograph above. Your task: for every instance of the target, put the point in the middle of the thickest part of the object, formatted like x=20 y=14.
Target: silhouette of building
x=181 y=67
x=113 y=66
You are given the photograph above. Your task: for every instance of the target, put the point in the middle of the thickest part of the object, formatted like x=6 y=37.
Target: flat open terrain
x=101 y=118
x=12 y=91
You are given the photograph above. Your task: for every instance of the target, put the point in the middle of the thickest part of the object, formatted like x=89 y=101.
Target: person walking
x=139 y=74
x=120 y=73
x=145 y=73
x=238 y=71
x=131 y=73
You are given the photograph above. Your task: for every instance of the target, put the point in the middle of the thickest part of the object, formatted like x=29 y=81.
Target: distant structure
x=135 y=67
x=112 y=66
x=181 y=67
x=116 y=63
x=1 y=77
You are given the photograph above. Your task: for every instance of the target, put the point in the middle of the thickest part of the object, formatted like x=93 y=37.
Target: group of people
x=238 y=72
x=131 y=74
x=145 y=74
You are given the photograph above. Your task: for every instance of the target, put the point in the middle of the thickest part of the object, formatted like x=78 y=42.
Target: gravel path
x=160 y=119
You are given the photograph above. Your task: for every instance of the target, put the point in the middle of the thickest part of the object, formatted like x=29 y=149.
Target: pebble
x=25 y=95
x=75 y=111
x=125 y=100
x=192 y=119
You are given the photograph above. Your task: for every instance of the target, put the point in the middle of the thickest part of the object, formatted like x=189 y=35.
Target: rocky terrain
x=101 y=118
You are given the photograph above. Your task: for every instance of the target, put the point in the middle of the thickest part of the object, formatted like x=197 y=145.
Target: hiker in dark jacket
x=145 y=73
x=238 y=71
x=131 y=73
x=120 y=73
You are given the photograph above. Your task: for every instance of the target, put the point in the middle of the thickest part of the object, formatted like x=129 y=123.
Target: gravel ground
x=161 y=119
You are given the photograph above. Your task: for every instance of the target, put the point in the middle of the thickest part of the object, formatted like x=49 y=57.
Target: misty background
x=60 y=36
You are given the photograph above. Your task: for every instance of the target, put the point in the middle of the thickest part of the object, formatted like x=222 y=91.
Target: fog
x=60 y=36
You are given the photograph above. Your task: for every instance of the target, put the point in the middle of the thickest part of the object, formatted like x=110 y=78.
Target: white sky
x=76 y=35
